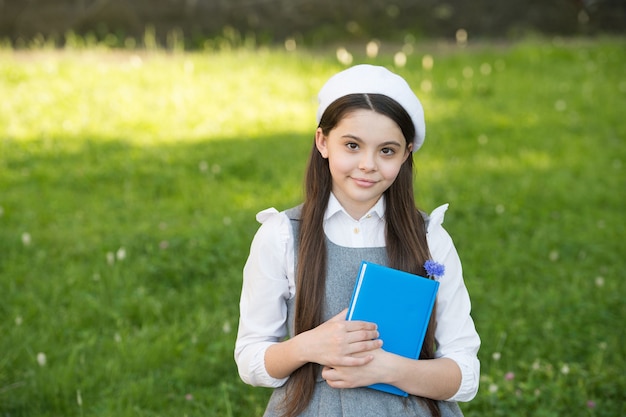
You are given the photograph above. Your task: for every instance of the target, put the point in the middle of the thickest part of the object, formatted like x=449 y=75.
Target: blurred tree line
x=309 y=21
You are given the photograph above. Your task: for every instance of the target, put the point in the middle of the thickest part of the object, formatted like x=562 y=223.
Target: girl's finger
x=363 y=335
x=353 y=325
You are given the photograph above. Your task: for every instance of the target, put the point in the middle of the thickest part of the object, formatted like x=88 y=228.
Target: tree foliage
x=309 y=20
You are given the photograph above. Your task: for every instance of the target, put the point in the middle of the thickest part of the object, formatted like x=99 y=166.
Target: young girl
x=303 y=264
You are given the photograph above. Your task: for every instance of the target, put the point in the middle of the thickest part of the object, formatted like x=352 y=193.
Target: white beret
x=370 y=79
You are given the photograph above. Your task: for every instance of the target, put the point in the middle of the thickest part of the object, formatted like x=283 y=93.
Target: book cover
x=400 y=304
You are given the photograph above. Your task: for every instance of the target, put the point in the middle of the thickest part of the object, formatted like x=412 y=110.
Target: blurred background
x=307 y=21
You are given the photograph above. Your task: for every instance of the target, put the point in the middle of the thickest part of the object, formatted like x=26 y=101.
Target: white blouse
x=269 y=281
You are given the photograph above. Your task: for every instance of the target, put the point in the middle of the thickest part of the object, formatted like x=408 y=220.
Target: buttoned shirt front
x=269 y=281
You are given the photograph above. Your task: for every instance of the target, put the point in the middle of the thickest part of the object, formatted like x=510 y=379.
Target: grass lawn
x=129 y=183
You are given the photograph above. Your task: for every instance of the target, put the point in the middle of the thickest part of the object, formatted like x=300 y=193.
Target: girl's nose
x=367 y=162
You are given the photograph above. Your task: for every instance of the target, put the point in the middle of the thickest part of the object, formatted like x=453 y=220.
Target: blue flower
x=434 y=269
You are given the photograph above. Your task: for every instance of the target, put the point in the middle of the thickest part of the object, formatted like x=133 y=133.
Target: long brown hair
x=405 y=237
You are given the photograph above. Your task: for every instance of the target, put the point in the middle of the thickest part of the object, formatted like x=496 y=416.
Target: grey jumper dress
x=343 y=265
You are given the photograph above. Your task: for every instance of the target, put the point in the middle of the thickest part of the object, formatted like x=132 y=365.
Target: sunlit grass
x=154 y=97
x=129 y=181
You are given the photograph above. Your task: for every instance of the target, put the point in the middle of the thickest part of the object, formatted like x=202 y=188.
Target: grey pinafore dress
x=343 y=266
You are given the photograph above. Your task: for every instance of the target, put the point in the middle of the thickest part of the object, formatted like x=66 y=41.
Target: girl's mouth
x=363 y=182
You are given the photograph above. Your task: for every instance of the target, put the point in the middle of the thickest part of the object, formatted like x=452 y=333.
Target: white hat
x=370 y=79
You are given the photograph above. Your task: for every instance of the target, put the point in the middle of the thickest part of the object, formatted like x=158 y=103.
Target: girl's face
x=365 y=151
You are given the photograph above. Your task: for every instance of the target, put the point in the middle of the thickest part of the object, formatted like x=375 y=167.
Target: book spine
x=357 y=289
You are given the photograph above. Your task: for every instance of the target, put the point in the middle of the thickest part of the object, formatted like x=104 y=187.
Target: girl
x=303 y=264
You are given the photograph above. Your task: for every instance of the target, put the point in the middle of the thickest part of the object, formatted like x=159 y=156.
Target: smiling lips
x=364 y=182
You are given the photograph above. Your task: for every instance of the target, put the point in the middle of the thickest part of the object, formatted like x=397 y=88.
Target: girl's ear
x=321 y=143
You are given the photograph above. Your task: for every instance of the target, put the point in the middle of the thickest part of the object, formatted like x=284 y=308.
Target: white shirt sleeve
x=456 y=336
x=265 y=291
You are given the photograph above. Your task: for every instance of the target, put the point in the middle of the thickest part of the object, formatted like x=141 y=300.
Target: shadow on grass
x=134 y=253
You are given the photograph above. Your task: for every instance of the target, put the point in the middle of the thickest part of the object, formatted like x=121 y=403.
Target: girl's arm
x=454 y=374
x=438 y=379
x=335 y=343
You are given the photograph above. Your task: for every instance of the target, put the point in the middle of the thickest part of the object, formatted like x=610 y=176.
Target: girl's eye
x=352 y=146
x=387 y=151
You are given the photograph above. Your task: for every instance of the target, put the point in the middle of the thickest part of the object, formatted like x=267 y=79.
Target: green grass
x=129 y=182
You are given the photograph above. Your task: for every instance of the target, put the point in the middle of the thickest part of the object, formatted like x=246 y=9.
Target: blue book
x=400 y=304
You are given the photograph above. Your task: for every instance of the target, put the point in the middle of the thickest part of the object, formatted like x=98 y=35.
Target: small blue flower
x=434 y=269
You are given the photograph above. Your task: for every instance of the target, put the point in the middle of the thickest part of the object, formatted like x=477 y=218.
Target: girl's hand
x=339 y=342
x=357 y=376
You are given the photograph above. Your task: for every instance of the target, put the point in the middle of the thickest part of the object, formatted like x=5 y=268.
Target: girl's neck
x=357 y=211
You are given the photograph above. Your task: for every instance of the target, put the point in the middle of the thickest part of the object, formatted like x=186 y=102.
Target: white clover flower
x=428 y=62
x=554 y=255
x=226 y=328
x=26 y=239
x=560 y=105
x=461 y=37
x=41 y=359
x=399 y=59
x=371 y=49
x=344 y=56
x=291 y=44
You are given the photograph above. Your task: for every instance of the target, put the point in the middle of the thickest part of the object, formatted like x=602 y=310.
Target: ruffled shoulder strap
x=435 y=219
x=294 y=215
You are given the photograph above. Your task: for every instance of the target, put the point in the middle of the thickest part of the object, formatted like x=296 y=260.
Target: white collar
x=334 y=207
